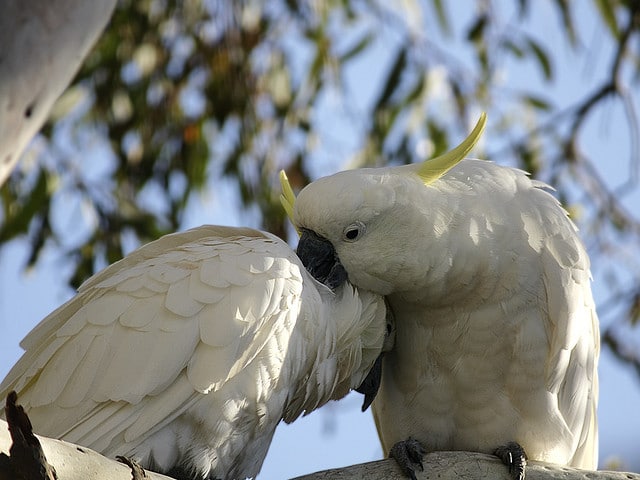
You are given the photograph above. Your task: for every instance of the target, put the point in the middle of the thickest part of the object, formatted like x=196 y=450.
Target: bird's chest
x=450 y=372
x=450 y=349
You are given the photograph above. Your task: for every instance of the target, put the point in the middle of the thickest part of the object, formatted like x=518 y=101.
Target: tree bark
x=79 y=463
x=75 y=463
x=43 y=43
x=463 y=465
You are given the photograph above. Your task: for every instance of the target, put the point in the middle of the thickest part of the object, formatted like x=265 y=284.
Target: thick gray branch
x=43 y=44
x=463 y=465
x=77 y=463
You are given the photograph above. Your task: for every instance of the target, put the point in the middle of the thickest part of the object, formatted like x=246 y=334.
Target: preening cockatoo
x=187 y=353
x=497 y=335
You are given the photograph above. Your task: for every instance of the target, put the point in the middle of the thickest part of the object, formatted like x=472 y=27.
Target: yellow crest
x=431 y=170
x=287 y=197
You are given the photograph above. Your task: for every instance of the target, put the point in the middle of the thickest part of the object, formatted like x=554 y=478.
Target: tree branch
x=465 y=465
x=43 y=44
x=73 y=462
x=613 y=85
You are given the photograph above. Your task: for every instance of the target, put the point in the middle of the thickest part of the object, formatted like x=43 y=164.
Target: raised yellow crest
x=432 y=169
x=287 y=197
x=429 y=171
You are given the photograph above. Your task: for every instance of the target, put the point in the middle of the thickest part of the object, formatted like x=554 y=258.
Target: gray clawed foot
x=408 y=455
x=514 y=457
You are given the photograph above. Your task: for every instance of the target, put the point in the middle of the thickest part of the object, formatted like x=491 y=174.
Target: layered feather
x=497 y=335
x=190 y=350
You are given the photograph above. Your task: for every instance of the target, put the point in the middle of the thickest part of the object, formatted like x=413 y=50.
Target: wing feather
x=180 y=301
x=49 y=386
x=204 y=292
x=144 y=312
x=572 y=327
x=80 y=379
x=177 y=318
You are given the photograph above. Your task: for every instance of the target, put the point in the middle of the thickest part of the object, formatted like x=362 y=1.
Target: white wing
x=144 y=339
x=574 y=336
x=561 y=283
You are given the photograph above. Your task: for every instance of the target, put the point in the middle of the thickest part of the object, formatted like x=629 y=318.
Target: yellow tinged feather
x=287 y=198
x=433 y=169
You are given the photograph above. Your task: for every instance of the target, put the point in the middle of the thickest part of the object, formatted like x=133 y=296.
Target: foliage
x=178 y=94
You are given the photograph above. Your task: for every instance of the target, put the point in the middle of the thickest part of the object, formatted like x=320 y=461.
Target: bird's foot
x=408 y=455
x=514 y=457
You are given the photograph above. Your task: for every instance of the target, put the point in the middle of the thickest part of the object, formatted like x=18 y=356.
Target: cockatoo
x=497 y=336
x=187 y=353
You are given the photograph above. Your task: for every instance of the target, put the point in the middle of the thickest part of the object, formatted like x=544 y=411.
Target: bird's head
x=354 y=224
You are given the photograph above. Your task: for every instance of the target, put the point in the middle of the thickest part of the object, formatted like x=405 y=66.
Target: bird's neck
x=341 y=344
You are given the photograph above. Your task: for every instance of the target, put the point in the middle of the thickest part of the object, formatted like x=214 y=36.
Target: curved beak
x=319 y=258
x=371 y=384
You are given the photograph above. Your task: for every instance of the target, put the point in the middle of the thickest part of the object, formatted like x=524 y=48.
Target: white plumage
x=497 y=335
x=187 y=353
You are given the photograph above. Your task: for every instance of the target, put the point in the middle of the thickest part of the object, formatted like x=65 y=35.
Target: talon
x=514 y=457
x=408 y=455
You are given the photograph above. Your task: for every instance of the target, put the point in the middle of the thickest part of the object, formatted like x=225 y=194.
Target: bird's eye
x=353 y=232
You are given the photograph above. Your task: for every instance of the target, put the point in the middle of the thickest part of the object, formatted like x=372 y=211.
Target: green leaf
x=537 y=102
x=360 y=45
x=477 y=28
x=510 y=45
x=441 y=13
x=529 y=157
x=542 y=58
x=634 y=309
x=438 y=137
x=393 y=79
x=608 y=15
x=20 y=217
x=567 y=20
x=415 y=92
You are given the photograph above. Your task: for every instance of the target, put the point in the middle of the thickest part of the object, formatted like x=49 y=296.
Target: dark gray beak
x=371 y=384
x=320 y=259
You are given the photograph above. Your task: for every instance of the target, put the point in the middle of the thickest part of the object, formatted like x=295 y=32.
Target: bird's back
x=500 y=343
x=185 y=353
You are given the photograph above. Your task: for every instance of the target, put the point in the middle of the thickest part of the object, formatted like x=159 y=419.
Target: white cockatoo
x=187 y=353
x=497 y=336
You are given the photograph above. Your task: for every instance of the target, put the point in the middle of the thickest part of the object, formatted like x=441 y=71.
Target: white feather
x=496 y=331
x=190 y=350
